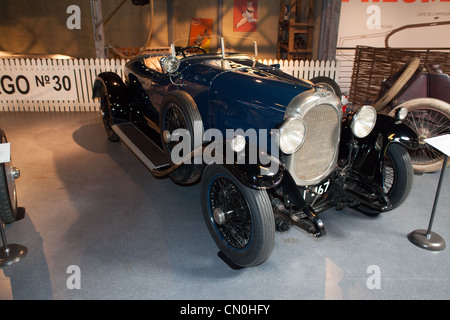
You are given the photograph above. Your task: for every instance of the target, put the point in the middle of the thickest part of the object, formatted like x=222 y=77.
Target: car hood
x=254 y=97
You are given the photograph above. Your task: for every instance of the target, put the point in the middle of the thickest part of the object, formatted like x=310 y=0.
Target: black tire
x=246 y=234
x=398 y=177
x=398 y=174
x=107 y=118
x=179 y=111
x=8 y=195
x=329 y=84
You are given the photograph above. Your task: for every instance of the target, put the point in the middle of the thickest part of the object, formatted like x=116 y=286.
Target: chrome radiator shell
x=321 y=111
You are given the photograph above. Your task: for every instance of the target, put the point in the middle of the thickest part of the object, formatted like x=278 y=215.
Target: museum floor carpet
x=93 y=208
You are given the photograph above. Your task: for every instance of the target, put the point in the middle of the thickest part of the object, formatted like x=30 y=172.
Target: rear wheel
x=8 y=196
x=180 y=112
x=107 y=117
x=239 y=219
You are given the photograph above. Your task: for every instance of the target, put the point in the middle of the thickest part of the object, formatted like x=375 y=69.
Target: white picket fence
x=19 y=77
x=308 y=69
x=82 y=72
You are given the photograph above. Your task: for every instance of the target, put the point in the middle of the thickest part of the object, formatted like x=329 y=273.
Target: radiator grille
x=317 y=154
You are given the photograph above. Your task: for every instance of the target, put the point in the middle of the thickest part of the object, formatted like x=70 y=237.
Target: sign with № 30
x=38 y=85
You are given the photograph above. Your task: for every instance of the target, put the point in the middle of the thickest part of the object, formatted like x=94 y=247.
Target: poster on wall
x=201 y=33
x=394 y=24
x=245 y=16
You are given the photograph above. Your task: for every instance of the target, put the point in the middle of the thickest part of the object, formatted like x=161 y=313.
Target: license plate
x=311 y=192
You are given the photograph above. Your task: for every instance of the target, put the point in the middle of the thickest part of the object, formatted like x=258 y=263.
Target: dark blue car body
x=241 y=90
x=244 y=203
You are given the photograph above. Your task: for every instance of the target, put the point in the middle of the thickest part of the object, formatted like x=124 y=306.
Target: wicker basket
x=373 y=65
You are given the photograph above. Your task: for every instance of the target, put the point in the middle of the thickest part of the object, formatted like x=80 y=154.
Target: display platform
x=98 y=225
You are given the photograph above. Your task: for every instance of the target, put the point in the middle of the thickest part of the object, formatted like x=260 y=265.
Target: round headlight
x=401 y=114
x=292 y=135
x=171 y=64
x=363 y=121
x=238 y=143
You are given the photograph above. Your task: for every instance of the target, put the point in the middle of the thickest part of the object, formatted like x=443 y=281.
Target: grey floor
x=91 y=204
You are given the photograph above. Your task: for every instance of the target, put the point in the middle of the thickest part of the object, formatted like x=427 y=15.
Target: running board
x=142 y=146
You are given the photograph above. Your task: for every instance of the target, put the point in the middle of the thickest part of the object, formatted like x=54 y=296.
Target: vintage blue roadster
x=270 y=150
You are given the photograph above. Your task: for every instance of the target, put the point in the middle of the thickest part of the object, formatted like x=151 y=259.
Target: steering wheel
x=183 y=50
x=398 y=85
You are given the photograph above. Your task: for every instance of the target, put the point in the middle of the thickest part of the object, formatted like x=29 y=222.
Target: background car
x=424 y=90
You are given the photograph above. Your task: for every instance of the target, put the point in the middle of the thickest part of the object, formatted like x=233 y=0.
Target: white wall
x=426 y=25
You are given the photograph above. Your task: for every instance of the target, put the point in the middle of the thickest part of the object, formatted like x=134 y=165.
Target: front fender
x=254 y=168
x=372 y=149
x=252 y=175
x=265 y=173
x=111 y=85
x=258 y=170
x=395 y=132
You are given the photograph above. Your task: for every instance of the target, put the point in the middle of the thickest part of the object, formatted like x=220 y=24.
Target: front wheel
x=239 y=219
x=398 y=177
x=398 y=174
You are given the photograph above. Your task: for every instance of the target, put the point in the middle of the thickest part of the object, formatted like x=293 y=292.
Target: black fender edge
x=395 y=132
x=112 y=85
x=262 y=172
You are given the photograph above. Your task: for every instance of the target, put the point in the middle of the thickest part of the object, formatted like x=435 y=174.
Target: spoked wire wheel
x=427 y=118
x=239 y=219
x=397 y=174
x=388 y=175
x=397 y=177
x=231 y=213
x=173 y=120
x=427 y=123
x=180 y=114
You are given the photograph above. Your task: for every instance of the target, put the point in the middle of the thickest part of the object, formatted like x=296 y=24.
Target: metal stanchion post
x=11 y=253
x=428 y=239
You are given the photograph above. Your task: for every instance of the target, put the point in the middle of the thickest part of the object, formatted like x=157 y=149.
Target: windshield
x=214 y=44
